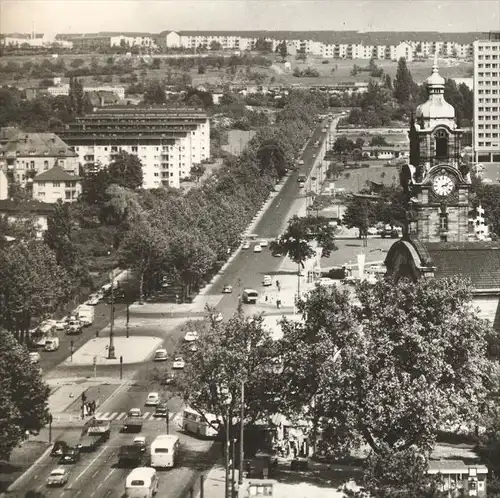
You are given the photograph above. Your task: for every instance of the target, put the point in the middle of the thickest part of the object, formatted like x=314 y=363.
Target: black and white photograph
x=249 y=248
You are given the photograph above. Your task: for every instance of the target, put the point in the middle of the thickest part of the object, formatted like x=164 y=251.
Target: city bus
x=196 y=423
x=164 y=451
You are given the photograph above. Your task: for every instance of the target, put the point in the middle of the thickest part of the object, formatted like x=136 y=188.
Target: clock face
x=443 y=185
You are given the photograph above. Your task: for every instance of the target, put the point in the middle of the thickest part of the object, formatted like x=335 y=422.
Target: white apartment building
x=328 y=50
x=56 y=184
x=403 y=49
x=361 y=51
x=168 y=142
x=132 y=41
x=487 y=99
x=18 y=39
x=64 y=90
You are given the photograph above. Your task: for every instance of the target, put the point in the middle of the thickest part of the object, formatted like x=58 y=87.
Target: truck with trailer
x=95 y=432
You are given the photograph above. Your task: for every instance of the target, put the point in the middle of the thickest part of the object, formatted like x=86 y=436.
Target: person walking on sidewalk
x=278 y=285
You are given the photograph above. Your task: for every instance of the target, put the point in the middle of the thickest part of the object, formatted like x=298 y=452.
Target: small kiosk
x=458 y=477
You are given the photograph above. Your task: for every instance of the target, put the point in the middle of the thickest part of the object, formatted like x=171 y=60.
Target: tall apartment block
x=168 y=141
x=487 y=99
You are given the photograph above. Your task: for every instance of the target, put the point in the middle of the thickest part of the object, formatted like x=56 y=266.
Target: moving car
x=134 y=412
x=191 y=336
x=153 y=399
x=246 y=245
x=169 y=377
x=266 y=281
x=257 y=248
x=74 y=327
x=51 y=344
x=179 y=363
x=301 y=162
x=34 y=357
x=140 y=441
x=160 y=355
x=59 y=448
x=93 y=300
x=161 y=410
x=227 y=289
x=70 y=455
x=192 y=347
x=62 y=323
x=134 y=421
x=58 y=477
x=263 y=243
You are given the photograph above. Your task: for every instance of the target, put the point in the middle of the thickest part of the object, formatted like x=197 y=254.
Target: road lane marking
x=105 y=415
x=113 y=415
x=121 y=415
x=146 y=415
x=89 y=465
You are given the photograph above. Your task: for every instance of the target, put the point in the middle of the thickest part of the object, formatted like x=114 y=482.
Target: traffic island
x=127 y=351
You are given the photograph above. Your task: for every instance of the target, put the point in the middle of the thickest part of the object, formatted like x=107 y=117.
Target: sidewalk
x=319 y=481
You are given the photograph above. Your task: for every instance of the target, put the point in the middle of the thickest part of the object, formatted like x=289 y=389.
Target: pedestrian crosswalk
x=123 y=415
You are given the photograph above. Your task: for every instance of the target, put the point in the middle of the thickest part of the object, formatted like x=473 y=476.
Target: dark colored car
x=70 y=455
x=161 y=410
x=59 y=448
x=118 y=296
x=169 y=378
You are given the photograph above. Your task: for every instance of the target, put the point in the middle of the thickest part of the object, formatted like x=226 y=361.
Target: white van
x=51 y=344
x=86 y=314
x=250 y=296
x=142 y=482
x=164 y=451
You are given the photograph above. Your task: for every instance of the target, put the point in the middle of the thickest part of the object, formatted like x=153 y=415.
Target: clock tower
x=436 y=183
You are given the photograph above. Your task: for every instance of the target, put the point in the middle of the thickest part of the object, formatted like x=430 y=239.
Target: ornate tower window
x=441 y=137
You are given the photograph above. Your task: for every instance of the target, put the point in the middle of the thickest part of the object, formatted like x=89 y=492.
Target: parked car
x=266 y=281
x=246 y=245
x=160 y=355
x=59 y=448
x=191 y=336
x=58 y=477
x=179 y=363
x=153 y=399
x=227 y=289
x=257 y=248
x=263 y=243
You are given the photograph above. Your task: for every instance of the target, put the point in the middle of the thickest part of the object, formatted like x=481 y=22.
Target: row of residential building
x=169 y=142
x=338 y=46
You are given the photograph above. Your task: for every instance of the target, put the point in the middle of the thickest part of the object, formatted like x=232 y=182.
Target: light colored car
x=192 y=348
x=227 y=289
x=34 y=357
x=263 y=243
x=153 y=399
x=326 y=282
x=301 y=162
x=160 y=355
x=217 y=317
x=93 y=300
x=135 y=412
x=257 y=248
x=46 y=326
x=179 y=362
x=141 y=442
x=58 y=477
x=267 y=280
x=191 y=336
x=62 y=323
x=246 y=245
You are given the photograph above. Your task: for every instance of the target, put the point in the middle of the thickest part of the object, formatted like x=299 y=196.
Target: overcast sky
x=75 y=16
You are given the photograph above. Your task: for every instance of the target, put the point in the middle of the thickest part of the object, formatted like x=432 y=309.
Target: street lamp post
x=233 y=467
x=128 y=307
x=111 y=348
x=242 y=432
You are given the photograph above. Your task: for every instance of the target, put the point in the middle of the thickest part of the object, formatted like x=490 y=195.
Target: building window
x=56 y=184
x=441 y=138
x=46 y=165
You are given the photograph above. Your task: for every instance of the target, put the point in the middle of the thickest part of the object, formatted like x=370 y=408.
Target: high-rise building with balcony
x=168 y=141
x=487 y=99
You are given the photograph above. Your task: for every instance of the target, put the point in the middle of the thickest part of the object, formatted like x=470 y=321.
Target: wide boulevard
x=97 y=474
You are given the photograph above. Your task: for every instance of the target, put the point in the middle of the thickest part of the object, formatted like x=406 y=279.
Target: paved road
x=97 y=475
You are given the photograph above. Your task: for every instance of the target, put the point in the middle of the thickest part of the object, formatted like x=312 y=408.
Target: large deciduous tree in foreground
x=23 y=394
x=390 y=370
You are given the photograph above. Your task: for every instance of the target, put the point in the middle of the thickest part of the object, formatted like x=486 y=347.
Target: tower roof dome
x=436 y=106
